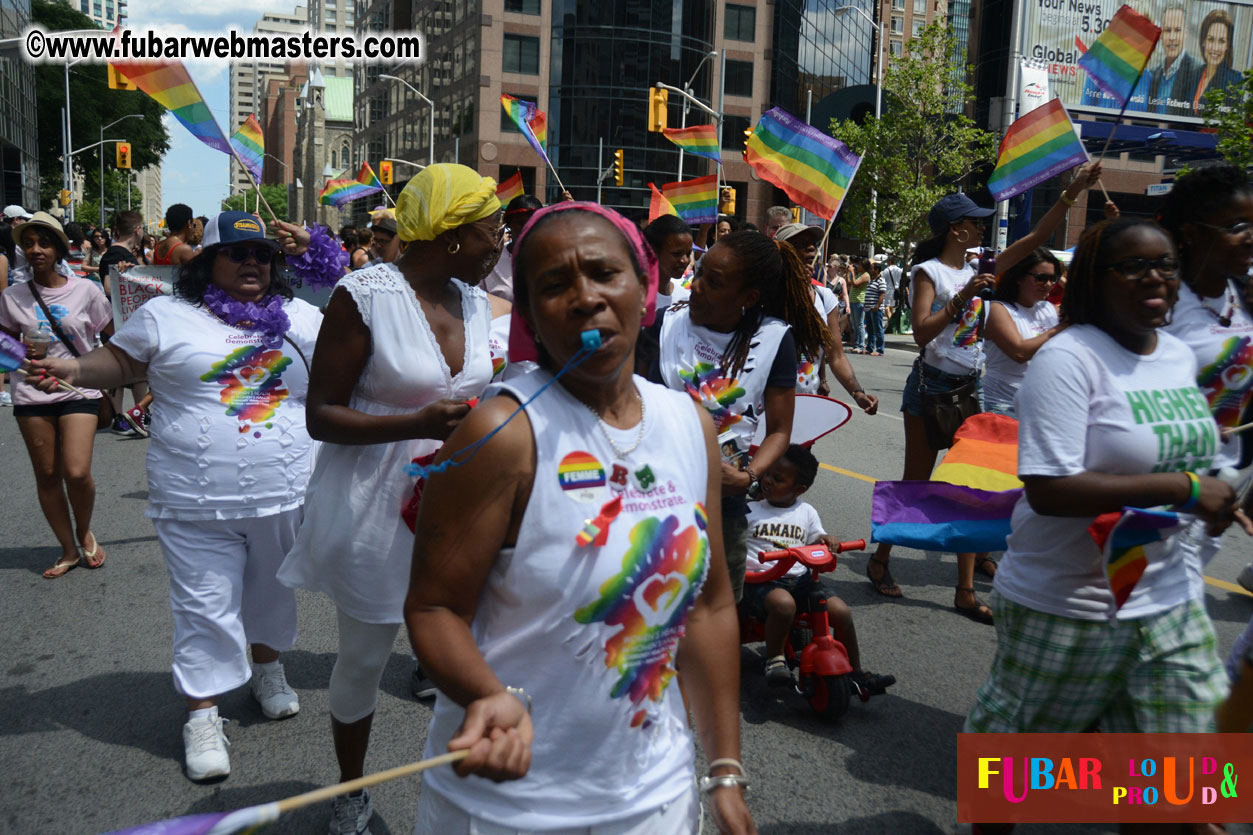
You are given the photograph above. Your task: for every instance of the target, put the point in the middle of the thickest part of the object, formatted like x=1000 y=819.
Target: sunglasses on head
x=238 y=253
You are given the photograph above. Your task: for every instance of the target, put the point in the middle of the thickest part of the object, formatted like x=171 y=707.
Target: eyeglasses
x=1045 y=278
x=1135 y=269
x=238 y=253
x=1235 y=230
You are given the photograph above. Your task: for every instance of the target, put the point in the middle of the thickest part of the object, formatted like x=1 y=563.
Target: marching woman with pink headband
x=564 y=563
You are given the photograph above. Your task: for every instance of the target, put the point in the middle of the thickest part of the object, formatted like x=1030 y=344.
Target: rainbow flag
x=696 y=201
x=510 y=189
x=247 y=820
x=701 y=140
x=1116 y=59
x=658 y=205
x=967 y=506
x=814 y=169
x=338 y=192
x=530 y=120
x=1129 y=541
x=169 y=83
x=249 y=145
x=1037 y=146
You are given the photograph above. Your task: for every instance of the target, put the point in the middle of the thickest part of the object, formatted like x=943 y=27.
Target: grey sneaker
x=421 y=686
x=777 y=672
x=204 y=747
x=1246 y=577
x=351 y=815
x=278 y=700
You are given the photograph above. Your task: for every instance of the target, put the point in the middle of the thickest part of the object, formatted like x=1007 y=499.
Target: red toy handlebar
x=817 y=557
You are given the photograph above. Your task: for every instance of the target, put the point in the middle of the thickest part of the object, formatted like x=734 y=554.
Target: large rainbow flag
x=658 y=205
x=510 y=189
x=696 y=201
x=701 y=140
x=338 y=192
x=169 y=83
x=530 y=120
x=1116 y=59
x=814 y=169
x=967 y=505
x=249 y=145
x=1129 y=541
x=1038 y=145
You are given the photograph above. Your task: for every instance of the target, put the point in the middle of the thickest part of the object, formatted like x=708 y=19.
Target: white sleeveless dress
x=353 y=545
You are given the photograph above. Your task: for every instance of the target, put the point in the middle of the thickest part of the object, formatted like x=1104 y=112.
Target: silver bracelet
x=722 y=781
x=521 y=695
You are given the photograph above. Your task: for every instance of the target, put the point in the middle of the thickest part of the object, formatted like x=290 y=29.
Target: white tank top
x=957 y=348
x=1002 y=375
x=590 y=632
x=691 y=361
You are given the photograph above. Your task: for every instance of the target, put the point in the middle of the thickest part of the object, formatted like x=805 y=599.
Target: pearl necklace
x=639 y=434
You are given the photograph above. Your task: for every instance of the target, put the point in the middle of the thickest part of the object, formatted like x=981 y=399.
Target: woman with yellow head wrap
x=403 y=347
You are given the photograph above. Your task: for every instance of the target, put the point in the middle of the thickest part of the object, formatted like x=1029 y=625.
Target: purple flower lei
x=268 y=317
x=322 y=265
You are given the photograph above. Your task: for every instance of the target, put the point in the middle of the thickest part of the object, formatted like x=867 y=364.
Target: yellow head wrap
x=442 y=197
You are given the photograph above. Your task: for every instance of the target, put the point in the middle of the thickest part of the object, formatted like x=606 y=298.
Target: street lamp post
x=429 y=103
x=687 y=89
x=101 y=152
x=878 y=101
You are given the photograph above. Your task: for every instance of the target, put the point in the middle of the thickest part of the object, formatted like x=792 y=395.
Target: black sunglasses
x=1045 y=278
x=238 y=253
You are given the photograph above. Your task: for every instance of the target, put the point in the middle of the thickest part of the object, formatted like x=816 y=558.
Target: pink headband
x=521 y=340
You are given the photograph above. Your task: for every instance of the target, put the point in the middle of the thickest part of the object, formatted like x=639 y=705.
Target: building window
x=741 y=23
x=739 y=78
x=899 y=5
x=920 y=8
x=895 y=48
x=522 y=6
x=917 y=27
x=521 y=54
x=507 y=124
x=898 y=25
x=733 y=128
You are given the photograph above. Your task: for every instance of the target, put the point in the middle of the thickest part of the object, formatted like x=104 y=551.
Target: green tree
x=1230 y=113
x=115 y=184
x=92 y=105
x=276 y=196
x=920 y=148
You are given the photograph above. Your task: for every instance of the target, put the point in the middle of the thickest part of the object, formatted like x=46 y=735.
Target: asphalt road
x=90 y=724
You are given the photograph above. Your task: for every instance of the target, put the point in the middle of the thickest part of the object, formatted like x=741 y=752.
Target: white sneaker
x=204 y=745
x=1246 y=577
x=278 y=700
x=6 y=399
x=351 y=815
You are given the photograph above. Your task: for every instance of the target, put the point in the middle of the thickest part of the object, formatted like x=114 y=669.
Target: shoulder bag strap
x=56 y=329
x=292 y=343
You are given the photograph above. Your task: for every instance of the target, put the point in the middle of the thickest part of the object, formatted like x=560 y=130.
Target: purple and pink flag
x=237 y=822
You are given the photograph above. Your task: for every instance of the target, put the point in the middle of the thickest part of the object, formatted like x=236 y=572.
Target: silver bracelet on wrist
x=521 y=695
x=722 y=781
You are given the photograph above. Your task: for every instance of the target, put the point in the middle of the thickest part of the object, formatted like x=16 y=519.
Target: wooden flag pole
x=318 y=795
x=822 y=243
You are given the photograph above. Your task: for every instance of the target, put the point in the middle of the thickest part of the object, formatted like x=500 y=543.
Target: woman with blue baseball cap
x=228 y=463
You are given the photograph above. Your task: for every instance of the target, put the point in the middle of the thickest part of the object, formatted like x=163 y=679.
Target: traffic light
x=65 y=197
x=117 y=81
x=123 y=155
x=385 y=173
x=796 y=214
x=619 y=168
x=657 y=99
x=727 y=204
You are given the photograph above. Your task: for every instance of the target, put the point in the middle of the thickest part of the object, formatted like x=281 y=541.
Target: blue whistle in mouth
x=591 y=339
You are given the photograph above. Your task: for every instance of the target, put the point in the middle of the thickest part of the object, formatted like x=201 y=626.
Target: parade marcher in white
x=554 y=637
x=227 y=465
x=1019 y=323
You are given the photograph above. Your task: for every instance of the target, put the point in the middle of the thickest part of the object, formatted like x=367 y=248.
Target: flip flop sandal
x=986 y=566
x=61 y=568
x=885 y=585
x=979 y=613
x=90 y=556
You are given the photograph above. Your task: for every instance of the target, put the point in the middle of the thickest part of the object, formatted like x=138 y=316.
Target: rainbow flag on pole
x=169 y=83
x=696 y=201
x=814 y=169
x=1116 y=59
x=249 y=145
x=1129 y=541
x=338 y=192
x=239 y=822
x=530 y=120
x=1037 y=146
x=658 y=205
x=510 y=189
x=701 y=140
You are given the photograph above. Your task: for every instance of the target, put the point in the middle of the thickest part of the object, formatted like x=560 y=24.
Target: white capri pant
x=224 y=595
x=363 y=652
x=439 y=816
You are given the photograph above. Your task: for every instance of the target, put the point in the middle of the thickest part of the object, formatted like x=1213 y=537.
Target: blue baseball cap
x=233 y=228
x=951 y=209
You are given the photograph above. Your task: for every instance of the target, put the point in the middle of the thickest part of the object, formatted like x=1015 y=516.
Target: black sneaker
x=871 y=684
x=421 y=686
x=122 y=427
x=777 y=673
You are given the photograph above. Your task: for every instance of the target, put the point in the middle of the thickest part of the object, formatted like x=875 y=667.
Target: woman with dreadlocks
x=733 y=346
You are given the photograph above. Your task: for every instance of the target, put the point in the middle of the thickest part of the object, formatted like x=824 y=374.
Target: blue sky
x=193 y=173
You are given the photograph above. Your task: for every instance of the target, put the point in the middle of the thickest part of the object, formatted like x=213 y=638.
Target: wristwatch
x=754 y=485
x=521 y=695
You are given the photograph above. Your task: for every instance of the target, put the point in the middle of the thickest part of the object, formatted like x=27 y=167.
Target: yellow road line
x=1216 y=583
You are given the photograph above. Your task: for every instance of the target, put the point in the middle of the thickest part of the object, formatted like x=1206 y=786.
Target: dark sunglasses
x=1235 y=230
x=1045 y=278
x=238 y=253
x=1135 y=269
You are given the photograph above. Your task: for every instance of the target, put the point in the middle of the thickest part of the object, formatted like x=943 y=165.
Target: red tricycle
x=821 y=662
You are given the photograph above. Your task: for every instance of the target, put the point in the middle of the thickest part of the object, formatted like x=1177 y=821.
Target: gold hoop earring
x=454 y=247
x=963 y=239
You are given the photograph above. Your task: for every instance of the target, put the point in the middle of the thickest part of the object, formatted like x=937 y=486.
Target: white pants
x=224 y=596
x=363 y=652
x=439 y=816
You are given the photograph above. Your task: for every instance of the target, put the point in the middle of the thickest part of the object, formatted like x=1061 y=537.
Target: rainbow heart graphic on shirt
x=648 y=601
x=1227 y=382
x=252 y=384
x=713 y=392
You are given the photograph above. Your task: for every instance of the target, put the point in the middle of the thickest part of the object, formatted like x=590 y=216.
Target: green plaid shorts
x=1060 y=675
